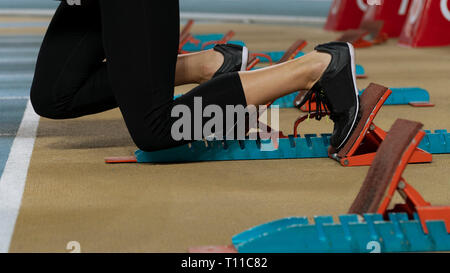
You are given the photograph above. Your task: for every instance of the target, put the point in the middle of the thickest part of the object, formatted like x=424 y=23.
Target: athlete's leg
x=197 y=67
x=70 y=77
x=144 y=90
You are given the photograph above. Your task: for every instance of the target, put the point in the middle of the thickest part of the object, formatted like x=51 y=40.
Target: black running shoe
x=235 y=58
x=337 y=91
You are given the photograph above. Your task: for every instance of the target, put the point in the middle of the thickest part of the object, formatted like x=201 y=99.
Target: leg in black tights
x=71 y=78
x=139 y=38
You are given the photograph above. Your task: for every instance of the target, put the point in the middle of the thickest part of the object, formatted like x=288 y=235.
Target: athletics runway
x=55 y=187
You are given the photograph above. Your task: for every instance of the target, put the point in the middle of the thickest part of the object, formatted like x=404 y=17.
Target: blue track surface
x=17 y=60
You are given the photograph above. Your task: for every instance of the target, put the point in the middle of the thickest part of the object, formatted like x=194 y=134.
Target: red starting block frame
x=369 y=33
x=289 y=54
x=382 y=181
x=186 y=37
x=226 y=38
x=363 y=144
x=377 y=192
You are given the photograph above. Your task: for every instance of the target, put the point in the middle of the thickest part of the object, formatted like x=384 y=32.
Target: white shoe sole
x=245 y=55
x=352 y=56
x=244 y=59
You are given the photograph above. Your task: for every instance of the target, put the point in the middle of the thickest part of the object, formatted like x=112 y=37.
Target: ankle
x=318 y=65
x=209 y=65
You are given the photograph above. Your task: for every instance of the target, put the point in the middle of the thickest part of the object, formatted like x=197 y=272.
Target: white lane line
x=12 y=182
x=18 y=61
x=33 y=12
x=18 y=77
x=20 y=50
x=15 y=98
x=23 y=24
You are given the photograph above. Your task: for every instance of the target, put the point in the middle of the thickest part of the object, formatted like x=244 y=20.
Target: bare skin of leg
x=264 y=85
x=260 y=86
x=197 y=67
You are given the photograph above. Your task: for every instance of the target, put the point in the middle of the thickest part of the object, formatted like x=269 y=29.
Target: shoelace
x=320 y=99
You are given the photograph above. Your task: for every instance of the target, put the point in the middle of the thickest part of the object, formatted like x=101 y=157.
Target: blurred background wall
x=312 y=8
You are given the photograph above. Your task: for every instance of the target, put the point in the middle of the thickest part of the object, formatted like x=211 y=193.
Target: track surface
x=71 y=195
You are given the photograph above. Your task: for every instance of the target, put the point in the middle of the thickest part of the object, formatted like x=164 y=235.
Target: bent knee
x=44 y=105
x=43 y=108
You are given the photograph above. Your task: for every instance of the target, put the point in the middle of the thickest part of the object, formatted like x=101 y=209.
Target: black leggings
x=139 y=39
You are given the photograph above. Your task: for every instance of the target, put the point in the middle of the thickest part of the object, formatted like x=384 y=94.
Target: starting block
x=366 y=138
x=413 y=96
x=207 y=41
x=437 y=142
x=293 y=52
x=385 y=177
x=193 y=43
x=369 y=34
x=415 y=226
x=185 y=36
x=360 y=152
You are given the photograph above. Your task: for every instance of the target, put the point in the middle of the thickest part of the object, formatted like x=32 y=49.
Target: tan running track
x=71 y=195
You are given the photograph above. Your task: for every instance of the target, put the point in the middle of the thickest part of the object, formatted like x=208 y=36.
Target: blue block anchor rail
x=205 y=38
x=309 y=146
x=351 y=235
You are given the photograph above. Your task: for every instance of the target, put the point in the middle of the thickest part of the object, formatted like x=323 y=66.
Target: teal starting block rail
x=309 y=146
x=351 y=235
x=360 y=71
x=399 y=96
x=437 y=143
x=205 y=38
x=407 y=95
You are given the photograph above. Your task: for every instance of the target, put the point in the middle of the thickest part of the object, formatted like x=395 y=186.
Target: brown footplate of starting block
x=387 y=162
x=366 y=138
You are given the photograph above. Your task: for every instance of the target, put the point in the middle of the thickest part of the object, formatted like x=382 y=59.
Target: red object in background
x=392 y=12
x=346 y=14
x=427 y=24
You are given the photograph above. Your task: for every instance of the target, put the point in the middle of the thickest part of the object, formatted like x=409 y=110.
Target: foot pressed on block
x=366 y=138
x=336 y=91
